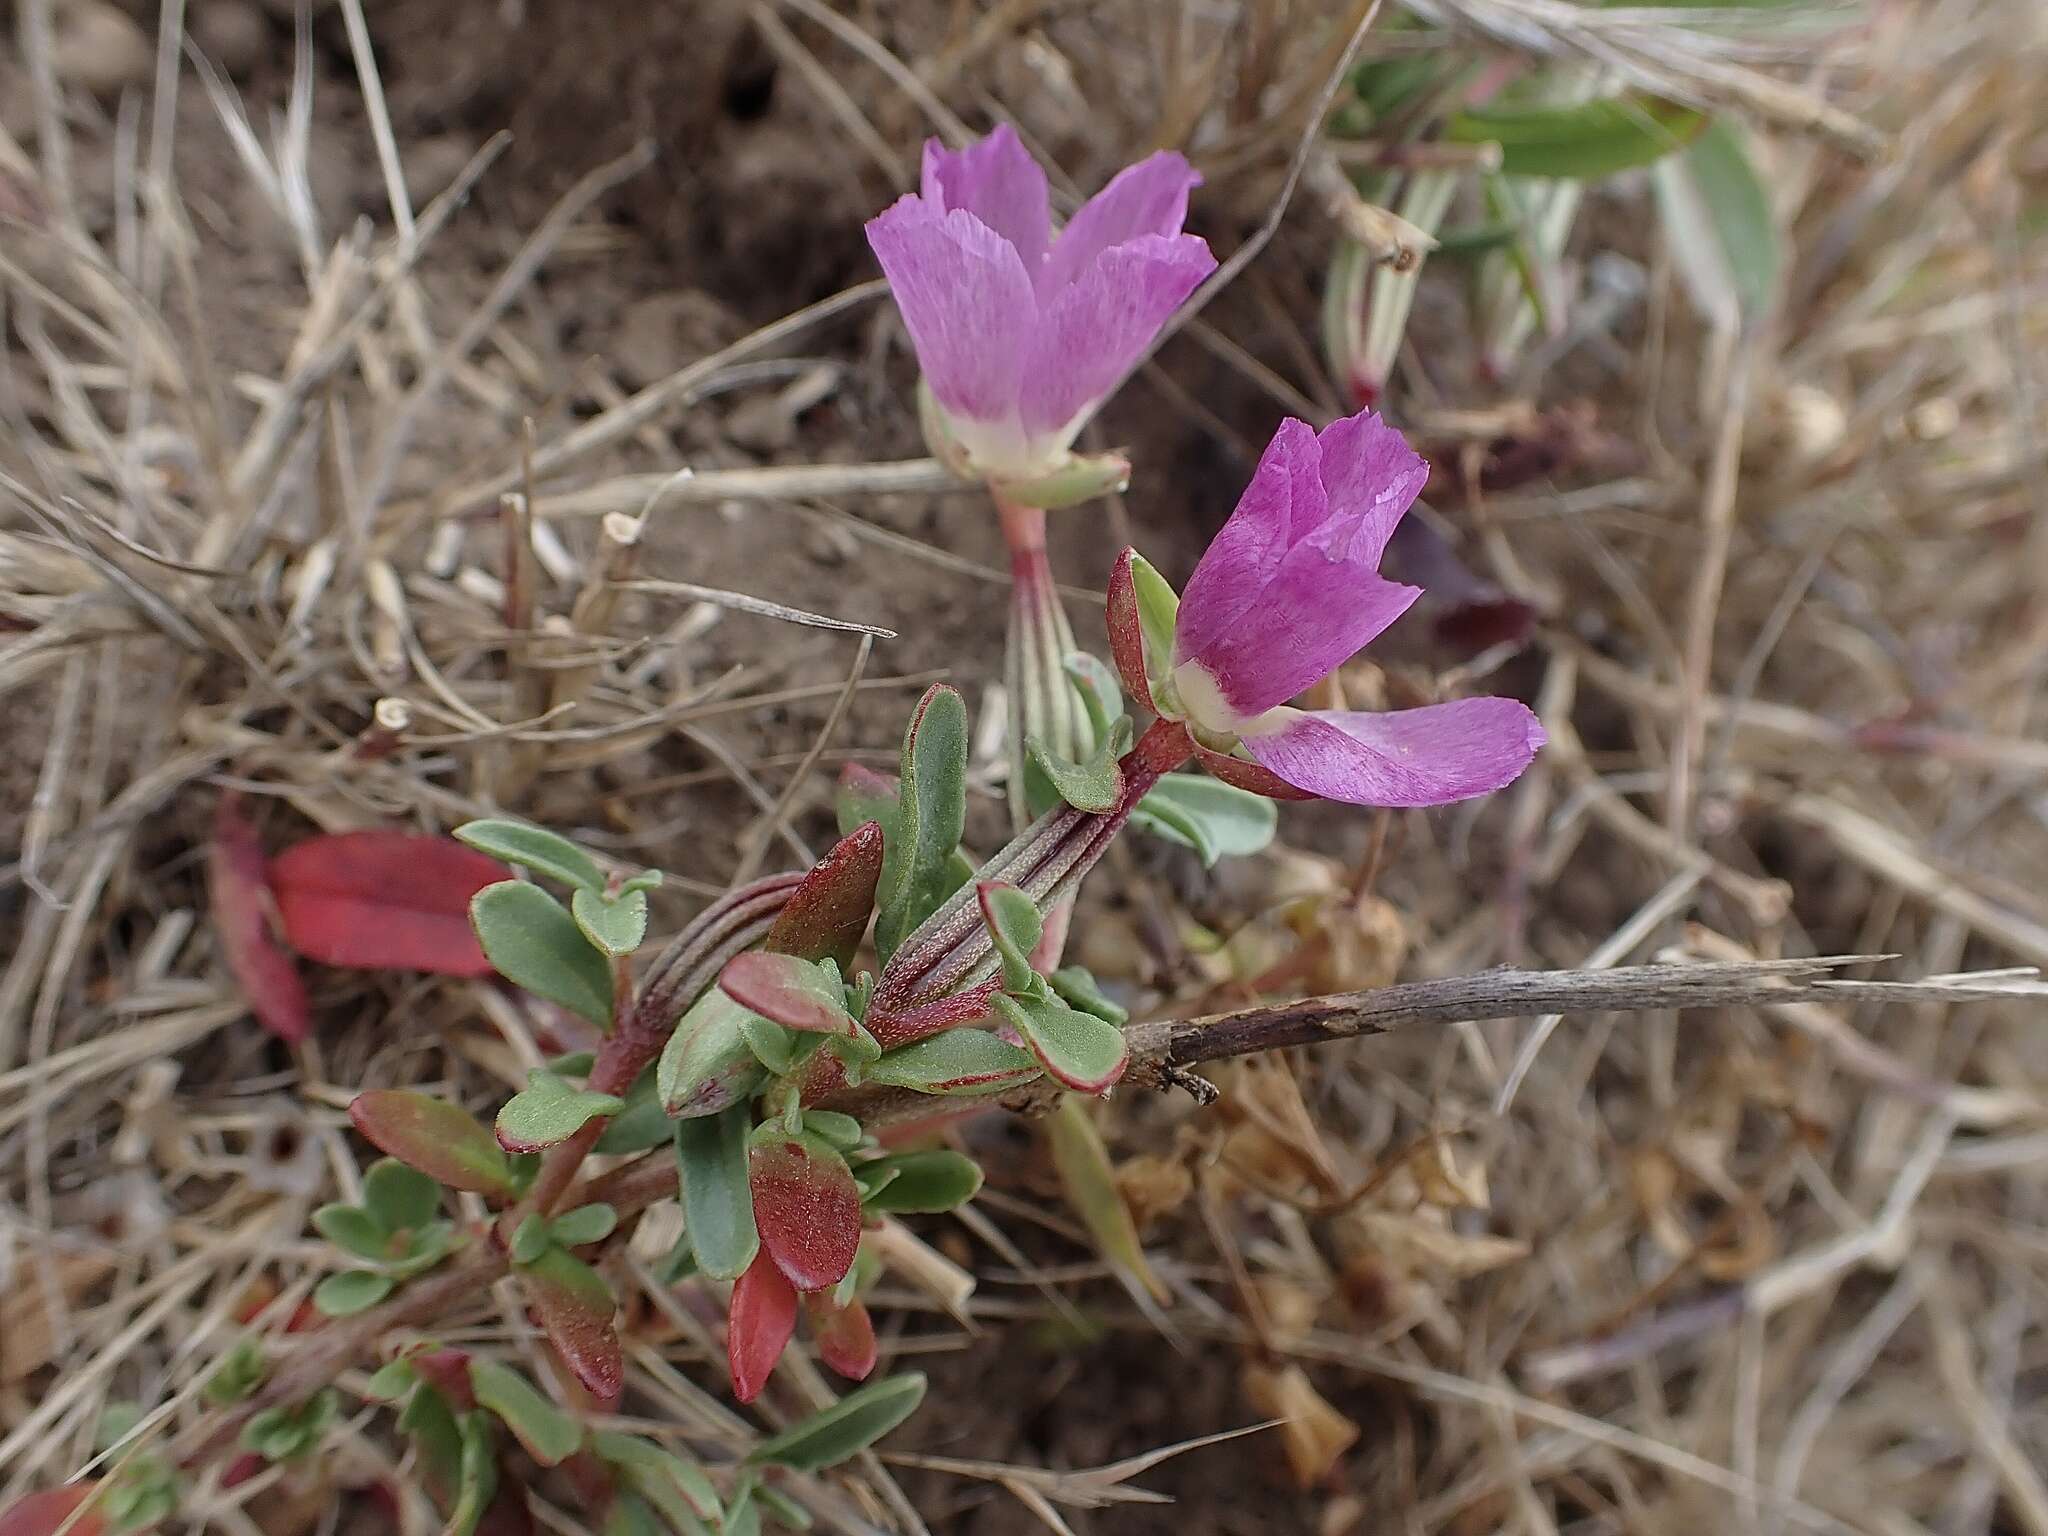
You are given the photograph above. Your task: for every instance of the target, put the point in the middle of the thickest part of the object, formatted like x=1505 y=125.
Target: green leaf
x=955 y=1061
x=845 y=1429
x=1723 y=234
x=1100 y=695
x=616 y=925
x=576 y=1310
x=240 y=1372
x=430 y=1423
x=1585 y=140
x=743 y=1515
x=586 y=1224
x=355 y=1230
x=1014 y=927
x=548 y=1111
x=1077 y=987
x=392 y=1380
x=921 y=1182
x=535 y=944
x=424 y=1248
x=1158 y=607
x=442 y=1140
x=676 y=1487
x=536 y=849
x=781 y=1508
x=530 y=1239
x=841 y=1131
x=643 y=1123
x=1215 y=819
x=718 y=1205
x=773 y=1046
x=549 y=1435
x=401 y=1198
x=646 y=880
x=1088 y=1178
x=476 y=1476
x=352 y=1291
x=1082 y=1051
x=931 y=815
x=707 y=1064
x=1095 y=785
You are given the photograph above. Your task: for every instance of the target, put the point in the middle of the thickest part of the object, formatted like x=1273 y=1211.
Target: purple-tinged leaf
x=827 y=914
x=865 y=795
x=1126 y=635
x=1084 y=1052
x=807 y=1208
x=239 y=892
x=575 y=1309
x=845 y=1336
x=442 y=1140
x=758 y=1326
x=785 y=990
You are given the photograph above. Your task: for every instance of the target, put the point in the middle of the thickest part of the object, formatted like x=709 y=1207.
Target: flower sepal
x=1079 y=478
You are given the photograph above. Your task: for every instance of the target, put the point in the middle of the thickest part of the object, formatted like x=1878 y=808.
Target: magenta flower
x=1020 y=333
x=1290 y=590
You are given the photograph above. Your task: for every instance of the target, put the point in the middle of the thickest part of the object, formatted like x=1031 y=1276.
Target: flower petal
x=1149 y=198
x=1315 y=615
x=1371 y=474
x=1094 y=328
x=1285 y=494
x=966 y=301
x=997 y=181
x=1409 y=757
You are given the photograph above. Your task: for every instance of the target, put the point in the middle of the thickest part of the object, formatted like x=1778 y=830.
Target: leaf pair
x=395 y=1228
x=1082 y=1050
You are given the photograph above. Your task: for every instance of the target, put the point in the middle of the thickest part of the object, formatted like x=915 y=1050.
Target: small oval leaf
x=828 y=912
x=446 y=1143
x=785 y=990
x=931 y=816
x=1084 y=1052
x=707 y=1065
x=54 y=1510
x=1014 y=927
x=845 y=1429
x=354 y=1230
x=549 y=1111
x=957 y=1061
x=929 y=1182
x=377 y=900
x=807 y=1208
x=575 y=1309
x=718 y=1205
x=759 y=1323
x=535 y=944
x=845 y=1336
x=534 y=848
x=351 y=1291
x=617 y=925
x=549 y=1435
x=401 y=1198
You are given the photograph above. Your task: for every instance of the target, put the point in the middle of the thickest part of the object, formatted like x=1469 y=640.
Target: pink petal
x=1409 y=757
x=1316 y=614
x=1149 y=198
x=966 y=301
x=1286 y=492
x=1093 y=329
x=1369 y=473
x=997 y=181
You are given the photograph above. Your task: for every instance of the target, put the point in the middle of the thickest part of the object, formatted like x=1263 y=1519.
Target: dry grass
x=1766 y=1267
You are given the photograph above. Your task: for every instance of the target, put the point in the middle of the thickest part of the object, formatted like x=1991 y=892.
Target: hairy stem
x=1042 y=703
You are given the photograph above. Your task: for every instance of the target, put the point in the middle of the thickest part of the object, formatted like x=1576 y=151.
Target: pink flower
x=1289 y=591
x=1020 y=333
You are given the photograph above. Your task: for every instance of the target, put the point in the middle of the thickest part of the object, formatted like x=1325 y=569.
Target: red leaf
x=575 y=1310
x=808 y=1210
x=1239 y=774
x=827 y=913
x=442 y=1140
x=758 y=1326
x=244 y=1467
x=777 y=988
x=42 y=1514
x=384 y=901
x=507 y=1514
x=241 y=902
x=845 y=1336
x=1126 y=636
